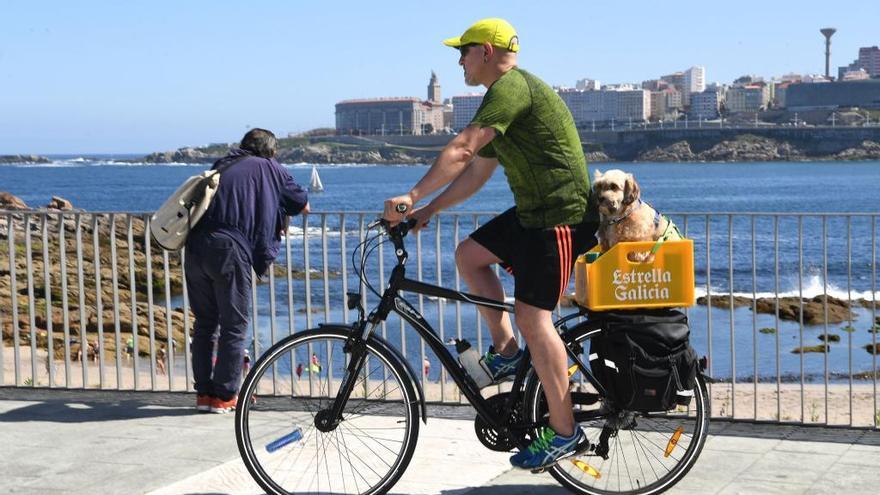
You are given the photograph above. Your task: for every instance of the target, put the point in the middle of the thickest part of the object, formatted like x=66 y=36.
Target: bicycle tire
x=263 y=421
x=650 y=438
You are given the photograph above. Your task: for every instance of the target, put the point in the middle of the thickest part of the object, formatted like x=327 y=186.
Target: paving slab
x=99 y=442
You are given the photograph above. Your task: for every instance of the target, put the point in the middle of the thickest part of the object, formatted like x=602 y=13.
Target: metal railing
x=86 y=301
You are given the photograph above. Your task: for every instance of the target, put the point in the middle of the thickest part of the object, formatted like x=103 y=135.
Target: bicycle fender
x=395 y=354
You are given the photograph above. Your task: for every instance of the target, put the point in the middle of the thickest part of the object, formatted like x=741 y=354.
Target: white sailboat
x=315 y=184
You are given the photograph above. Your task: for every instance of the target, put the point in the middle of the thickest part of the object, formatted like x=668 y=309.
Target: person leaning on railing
x=241 y=230
x=525 y=126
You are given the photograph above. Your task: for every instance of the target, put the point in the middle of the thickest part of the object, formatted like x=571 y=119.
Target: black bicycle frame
x=392 y=301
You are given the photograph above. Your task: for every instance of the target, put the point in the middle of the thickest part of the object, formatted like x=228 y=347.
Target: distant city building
x=434 y=89
x=588 y=85
x=853 y=67
x=869 y=59
x=620 y=102
x=587 y=107
x=673 y=99
x=705 y=105
x=815 y=79
x=855 y=75
x=842 y=94
x=464 y=107
x=695 y=79
x=447 y=115
x=380 y=116
x=779 y=93
x=676 y=79
x=633 y=104
x=747 y=98
x=655 y=85
x=658 y=106
x=396 y=115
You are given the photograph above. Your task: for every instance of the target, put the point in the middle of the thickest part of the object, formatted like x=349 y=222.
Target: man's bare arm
x=452 y=161
x=464 y=186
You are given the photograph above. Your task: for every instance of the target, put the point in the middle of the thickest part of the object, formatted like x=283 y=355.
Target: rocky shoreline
x=750 y=148
x=325 y=150
x=839 y=310
x=4 y=159
x=744 y=148
x=138 y=305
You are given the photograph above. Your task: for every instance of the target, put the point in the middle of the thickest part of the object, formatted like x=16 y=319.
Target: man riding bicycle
x=523 y=125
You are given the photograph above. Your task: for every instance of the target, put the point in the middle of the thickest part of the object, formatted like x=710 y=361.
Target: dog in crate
x=624 y=217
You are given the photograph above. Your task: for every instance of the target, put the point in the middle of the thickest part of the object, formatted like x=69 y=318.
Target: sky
x=141 y=76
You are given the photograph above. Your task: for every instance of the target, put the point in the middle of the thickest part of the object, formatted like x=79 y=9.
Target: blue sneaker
x=501 y=367
x=547 y=449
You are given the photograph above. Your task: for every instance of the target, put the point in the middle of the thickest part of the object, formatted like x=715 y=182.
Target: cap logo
x=514 y=42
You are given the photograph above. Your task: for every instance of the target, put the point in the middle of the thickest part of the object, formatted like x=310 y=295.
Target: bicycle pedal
x=539 y=470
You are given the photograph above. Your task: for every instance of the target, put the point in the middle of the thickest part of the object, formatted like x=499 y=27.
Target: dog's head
x=614 y=191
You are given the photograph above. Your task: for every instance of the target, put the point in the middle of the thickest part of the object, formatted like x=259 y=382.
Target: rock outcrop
x=597 y=156
x=183 y=155
x=869 y=150
x=789 y=307
x=749 y=148
x=8 y=201
x=24 y=159
x=59 y=203
x=326 y=153
x=745 y=148
x=678 y=152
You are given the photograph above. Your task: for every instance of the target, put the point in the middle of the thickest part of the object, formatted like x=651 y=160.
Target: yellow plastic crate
x=614 y=282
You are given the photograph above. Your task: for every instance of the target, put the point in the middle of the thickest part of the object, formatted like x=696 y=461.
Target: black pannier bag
x=644 y=359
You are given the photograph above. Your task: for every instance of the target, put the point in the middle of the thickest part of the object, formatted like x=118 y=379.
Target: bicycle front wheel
x=647 y=453
x=291 y=388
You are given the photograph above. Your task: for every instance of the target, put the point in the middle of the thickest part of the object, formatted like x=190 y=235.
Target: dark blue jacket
x=251 y=206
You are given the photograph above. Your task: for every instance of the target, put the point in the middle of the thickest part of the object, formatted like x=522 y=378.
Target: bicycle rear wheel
x=647 y=452
x=283 y=399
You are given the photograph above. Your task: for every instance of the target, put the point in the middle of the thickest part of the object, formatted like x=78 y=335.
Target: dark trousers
x=218 y=281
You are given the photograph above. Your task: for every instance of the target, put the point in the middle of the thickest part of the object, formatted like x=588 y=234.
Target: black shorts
x=540 y=260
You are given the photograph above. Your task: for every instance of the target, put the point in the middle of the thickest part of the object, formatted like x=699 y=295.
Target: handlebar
x=397 y=231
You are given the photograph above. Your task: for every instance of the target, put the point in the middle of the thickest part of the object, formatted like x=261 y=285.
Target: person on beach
x=523 y=125
x=239 y=232
x=161 y=355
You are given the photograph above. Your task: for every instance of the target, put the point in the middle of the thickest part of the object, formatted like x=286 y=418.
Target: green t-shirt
x=538 y=146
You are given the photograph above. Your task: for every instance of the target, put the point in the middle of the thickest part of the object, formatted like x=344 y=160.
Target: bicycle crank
x=491 y=438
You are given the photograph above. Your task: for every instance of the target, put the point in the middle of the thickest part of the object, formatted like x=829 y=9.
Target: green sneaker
x=501 y=367
x=547 y=449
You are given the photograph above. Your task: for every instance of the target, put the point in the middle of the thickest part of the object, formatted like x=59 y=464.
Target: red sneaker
x=203 y=403
x=220 y=406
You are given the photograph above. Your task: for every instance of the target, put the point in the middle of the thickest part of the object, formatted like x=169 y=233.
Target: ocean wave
x=296 y=233
x=812 y=287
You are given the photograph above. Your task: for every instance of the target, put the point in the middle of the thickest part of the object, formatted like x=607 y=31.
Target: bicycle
x=357 y=433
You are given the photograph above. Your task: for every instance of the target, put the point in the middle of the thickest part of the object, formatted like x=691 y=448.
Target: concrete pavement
x=97 y=442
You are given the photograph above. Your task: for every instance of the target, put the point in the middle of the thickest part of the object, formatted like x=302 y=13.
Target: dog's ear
x=597 y=175
x=630 y=190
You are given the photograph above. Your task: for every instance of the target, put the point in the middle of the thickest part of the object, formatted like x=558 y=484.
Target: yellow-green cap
x=497 y=32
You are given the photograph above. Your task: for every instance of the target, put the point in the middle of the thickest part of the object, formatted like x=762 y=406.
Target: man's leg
x=474 y=263
x=201 y=298
x=235 y=291
x=550 y=362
